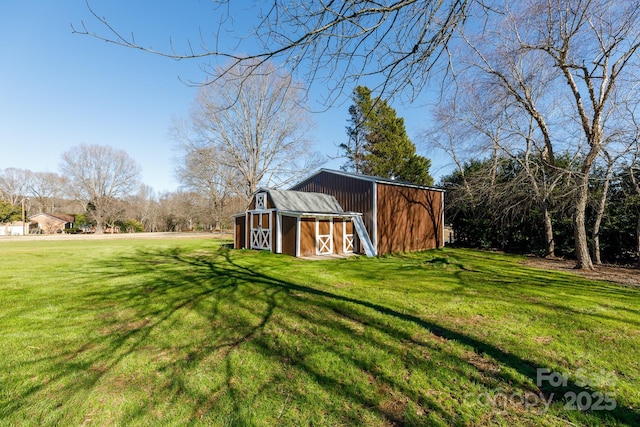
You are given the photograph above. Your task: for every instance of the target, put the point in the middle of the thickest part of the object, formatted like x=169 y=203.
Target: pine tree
x=378 y=142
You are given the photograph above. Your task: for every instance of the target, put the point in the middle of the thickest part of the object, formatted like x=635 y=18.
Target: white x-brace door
x=260 y=230
x=324 y=242
x=347 y=237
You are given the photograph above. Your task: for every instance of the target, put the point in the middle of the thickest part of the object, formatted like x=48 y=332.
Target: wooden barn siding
x=354 y=195
x=307 y=236
x=409 y=219
x=338 y=244
x=289 y=225
x=240 y=236
x=324 y=226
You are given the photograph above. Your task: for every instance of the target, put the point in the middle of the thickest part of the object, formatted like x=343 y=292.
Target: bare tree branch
x=251 y=130
x=397 y=42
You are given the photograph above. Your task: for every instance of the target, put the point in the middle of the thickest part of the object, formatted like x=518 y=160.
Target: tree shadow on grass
x=273 y=350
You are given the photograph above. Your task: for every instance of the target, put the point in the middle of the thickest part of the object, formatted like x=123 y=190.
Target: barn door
x=324 y=237
x=347 y=237
x=261 y=230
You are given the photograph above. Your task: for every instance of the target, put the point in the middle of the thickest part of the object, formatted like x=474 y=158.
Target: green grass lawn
x=175 y=332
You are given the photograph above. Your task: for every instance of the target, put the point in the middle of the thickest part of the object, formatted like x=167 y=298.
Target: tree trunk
x=602 y=205
x=595 y=234
x=595 y=256
x=580 y=230
x=550 y=251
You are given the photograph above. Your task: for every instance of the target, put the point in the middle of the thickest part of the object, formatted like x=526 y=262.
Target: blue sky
x=59 y=90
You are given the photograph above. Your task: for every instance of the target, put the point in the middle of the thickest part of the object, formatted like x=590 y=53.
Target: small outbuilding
x=296 y=223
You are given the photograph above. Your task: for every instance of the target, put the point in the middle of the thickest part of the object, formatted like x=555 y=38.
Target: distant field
x=170 y=331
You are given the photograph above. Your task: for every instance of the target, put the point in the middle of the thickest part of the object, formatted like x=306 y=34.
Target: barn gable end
x=398 y=216
x=409 y=219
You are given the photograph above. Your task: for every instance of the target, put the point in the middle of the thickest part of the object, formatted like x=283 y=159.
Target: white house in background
x=16 y=228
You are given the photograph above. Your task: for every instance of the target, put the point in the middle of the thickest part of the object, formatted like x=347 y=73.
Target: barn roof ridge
x=370 y=178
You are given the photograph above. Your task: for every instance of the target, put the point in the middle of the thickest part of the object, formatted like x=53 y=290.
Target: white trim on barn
x=261 y=201
x=324 y=242
x=260 y=237
x=278 y=232
x=298 y=236
x=347 y=239
x=246 y=231
x=442 y=241
x=374 y=234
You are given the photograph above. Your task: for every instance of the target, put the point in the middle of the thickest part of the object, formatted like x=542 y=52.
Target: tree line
x=490 y=204
x=137 y=209
x=544 y=105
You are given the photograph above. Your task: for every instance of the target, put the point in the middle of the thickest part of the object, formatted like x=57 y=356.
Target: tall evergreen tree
x=378 y=143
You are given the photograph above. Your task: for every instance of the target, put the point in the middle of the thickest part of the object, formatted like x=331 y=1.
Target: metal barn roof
x=301 y=201
x=370 y=178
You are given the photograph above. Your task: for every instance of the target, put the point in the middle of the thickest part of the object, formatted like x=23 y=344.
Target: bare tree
x=99 y=176
x=605 y=34
x=13 y=184
x=611 y=160
x=481 y=119
x=246 y=131
x=506 y=104
x=46 y=188
x=634 y=175
x=178 y=211
x=143 y=207
x=202 y=172
x=397 y=42
x=589 y=51
x=633 y=171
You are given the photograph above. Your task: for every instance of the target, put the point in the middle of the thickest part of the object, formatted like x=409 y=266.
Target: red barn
x=371 y=214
